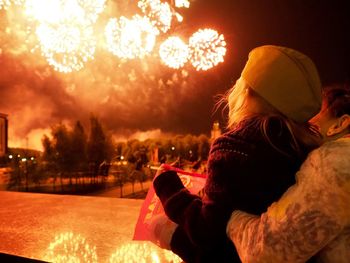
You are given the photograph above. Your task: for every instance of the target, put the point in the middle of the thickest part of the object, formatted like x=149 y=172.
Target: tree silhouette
x=79 y=150
x=64 y=156
x=99 y=147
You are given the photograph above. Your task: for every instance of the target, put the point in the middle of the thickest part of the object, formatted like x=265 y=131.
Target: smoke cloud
x=142 y=97
x=133 y=99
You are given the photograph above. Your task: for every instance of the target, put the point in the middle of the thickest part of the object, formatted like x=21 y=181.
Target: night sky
x=145 y=97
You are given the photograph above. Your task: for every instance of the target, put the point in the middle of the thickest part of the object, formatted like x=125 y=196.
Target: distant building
x=154 y=156
x=216 y=131
x=3 y=134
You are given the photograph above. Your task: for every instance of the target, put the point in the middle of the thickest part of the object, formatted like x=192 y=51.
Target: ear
x=341 y=125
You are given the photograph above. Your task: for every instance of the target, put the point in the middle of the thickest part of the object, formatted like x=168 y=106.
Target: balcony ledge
x=55 y=227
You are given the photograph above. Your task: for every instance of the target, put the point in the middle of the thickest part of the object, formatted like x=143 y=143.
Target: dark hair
x=337 y=99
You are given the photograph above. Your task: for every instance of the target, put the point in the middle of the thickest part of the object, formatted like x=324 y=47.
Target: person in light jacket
x=313 y=216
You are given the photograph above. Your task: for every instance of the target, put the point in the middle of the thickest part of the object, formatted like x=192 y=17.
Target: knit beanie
x=285 y=78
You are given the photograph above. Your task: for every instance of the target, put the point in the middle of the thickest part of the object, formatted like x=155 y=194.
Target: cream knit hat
x=287 y=79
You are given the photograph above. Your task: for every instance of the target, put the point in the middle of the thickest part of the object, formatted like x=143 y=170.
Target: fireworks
x=182 y=3
x=64 y=30
x=66 y=47
x=160 y=14
x=207 y=49
x=142 y=253
x=130 y=38
x=68 y=247
x=174 y=52
x=5 y=4
x=56 y=11
x=92 y=8
x=179 y=17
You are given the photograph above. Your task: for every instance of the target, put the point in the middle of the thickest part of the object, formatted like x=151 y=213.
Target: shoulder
x=229 y=153
x=331 y=154
x=256 y=136
x=231 y=145
x=329 y=164
x=335 y=148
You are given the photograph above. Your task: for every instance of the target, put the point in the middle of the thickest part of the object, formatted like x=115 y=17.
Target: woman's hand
x=161 y=230
x=163 y=168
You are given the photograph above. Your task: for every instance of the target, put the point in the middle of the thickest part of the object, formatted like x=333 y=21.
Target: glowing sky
x=144 y=96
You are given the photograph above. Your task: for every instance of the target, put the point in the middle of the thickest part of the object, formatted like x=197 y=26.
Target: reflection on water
x=73 y=248
x=142 y=252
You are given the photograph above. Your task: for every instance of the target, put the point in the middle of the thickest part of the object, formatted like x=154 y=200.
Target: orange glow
x=69 y=247
x=138 y=252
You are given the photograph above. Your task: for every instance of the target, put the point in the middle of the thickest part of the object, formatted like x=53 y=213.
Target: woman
x=278 y=92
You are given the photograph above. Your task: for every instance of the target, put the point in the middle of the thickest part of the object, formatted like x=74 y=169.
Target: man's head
x=334 y=118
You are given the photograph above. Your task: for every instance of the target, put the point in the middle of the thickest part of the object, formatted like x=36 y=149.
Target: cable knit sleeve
x=203 y=219
x=310 y=215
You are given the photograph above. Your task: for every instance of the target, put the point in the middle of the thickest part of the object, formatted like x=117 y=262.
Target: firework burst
x=92 y=8
x=130 y=38
x=56 y=11
x=182 y=3
x=64 y=30
x=160 y=14
x=66 y=47
x=5 y=4
x=207 y=49
x=174 y=52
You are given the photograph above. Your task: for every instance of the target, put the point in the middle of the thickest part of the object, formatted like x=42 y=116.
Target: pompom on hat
x=285 y=78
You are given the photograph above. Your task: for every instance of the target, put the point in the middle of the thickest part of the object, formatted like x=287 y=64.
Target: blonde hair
x=244 y=103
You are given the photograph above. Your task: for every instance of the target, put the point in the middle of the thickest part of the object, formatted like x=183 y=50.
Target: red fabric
x=152 y=206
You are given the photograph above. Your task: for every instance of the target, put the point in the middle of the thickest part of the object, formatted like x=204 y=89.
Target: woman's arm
x=203 y=219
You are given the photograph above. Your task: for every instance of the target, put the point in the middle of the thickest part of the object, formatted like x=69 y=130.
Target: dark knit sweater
x=245 y=172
